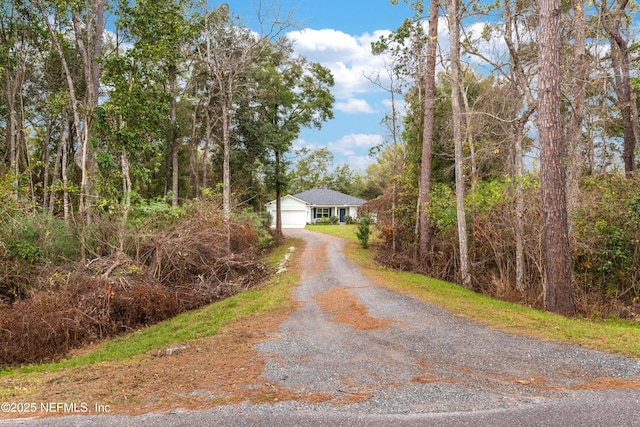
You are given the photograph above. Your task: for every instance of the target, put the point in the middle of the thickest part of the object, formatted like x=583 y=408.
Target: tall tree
x=393 y=125
x=457 y=118
x=519 y=74
x=88 y=22
x=424 y=198
x=520 y=82
x=13 y=26
x=160 y=30
x=612 y=21
x=231 y=52
x=557 y=257
x=292 y=94
x=312 y=170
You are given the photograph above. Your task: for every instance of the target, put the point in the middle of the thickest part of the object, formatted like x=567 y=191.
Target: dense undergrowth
x=605 y=241
x=171 y=260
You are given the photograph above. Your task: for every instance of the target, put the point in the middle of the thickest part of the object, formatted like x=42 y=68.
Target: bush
x=607 y=234
x=364 y=229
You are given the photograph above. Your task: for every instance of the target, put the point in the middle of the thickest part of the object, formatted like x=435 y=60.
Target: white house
x=310 y=206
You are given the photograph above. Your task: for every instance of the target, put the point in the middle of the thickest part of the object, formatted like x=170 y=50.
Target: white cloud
x=348 y=57
x=299 y=144
x=360 y=163
x=348 y=144
x=354 y=106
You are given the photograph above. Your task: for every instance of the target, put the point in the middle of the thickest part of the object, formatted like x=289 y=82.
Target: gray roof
x=325 y=197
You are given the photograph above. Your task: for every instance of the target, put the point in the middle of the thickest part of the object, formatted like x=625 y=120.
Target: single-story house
x=310 y=206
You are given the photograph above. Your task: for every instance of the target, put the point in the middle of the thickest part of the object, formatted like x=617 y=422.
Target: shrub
x=364 y=229
x=261 y=224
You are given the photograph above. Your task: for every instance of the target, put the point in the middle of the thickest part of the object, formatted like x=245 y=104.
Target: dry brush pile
x=182 y=267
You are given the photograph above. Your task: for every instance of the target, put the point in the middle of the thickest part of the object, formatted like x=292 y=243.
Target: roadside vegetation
x=608 y=335
x=270 y=295
x=173 y=260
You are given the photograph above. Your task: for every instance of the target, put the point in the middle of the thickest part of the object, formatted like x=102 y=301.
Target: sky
x=338 y=34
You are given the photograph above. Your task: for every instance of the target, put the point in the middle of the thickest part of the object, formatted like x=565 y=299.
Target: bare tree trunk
x=24 y=152
x=13 y=90
x=207 y=144
x=193 y=153
x=173 y=139
x=622 y=81
x=468 y=138
x=126 y=202
x=13 y=145
x=226 y=167
x=519 y=173
x=56 y=174
x=558 y=292
x=424 y=198
x=278 y=234
x=46 y=157
x=576 y=160
x=88 y=37
x=64 y=142
x=456 y=93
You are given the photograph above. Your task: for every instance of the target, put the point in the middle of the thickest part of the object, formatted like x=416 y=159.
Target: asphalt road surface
x=372 y=357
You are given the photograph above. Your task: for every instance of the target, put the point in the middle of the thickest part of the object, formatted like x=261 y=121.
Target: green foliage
x=443 y=207
x=261 y=224
x=488 y=194
x=608 y=232
x=292 y=94
x=38 y=239
x=156 y=210
x=364 y=229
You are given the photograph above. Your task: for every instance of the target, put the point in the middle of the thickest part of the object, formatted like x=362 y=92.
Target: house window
x=323 y=212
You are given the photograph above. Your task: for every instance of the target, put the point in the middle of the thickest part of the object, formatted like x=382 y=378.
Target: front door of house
x=343 y=212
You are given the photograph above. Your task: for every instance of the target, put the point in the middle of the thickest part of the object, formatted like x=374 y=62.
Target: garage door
x=294 y=219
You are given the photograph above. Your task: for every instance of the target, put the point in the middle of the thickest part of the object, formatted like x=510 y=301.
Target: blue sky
x=338 y=34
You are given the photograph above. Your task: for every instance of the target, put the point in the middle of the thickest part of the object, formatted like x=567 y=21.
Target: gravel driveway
x=367 y=356
x=417 y=358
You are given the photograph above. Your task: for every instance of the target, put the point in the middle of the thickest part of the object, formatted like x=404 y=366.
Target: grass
x=347 y=231
x=620 y=337
x=189 y=326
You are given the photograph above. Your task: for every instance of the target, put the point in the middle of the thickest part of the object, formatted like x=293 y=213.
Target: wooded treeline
x=514 y=170
x=172 y=100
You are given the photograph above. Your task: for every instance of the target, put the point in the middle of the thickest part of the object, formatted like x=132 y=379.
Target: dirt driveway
x=354 y=353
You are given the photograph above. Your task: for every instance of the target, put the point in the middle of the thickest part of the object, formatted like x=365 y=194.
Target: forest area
x=514 y=170
x=140 y=141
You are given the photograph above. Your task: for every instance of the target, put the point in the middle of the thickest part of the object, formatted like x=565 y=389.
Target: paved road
x=365 y=356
